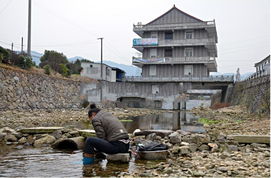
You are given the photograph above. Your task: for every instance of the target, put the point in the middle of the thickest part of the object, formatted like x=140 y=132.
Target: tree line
x=50 y=61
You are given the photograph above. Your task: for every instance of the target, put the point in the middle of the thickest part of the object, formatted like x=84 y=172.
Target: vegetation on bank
x=51 y=62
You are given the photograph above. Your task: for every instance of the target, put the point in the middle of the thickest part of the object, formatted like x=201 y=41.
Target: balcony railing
x=221 y=78
x=141 y=27
x=147 y=42
x=174 y=60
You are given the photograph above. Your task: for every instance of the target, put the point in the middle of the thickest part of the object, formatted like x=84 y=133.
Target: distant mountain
x=219 y=73
x=36 y=57
x=129 y=69
x=73 y=59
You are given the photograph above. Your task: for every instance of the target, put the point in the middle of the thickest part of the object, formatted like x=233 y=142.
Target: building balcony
x=210 y=62
x=208 y=25
x=220 y=78
x=141 y=43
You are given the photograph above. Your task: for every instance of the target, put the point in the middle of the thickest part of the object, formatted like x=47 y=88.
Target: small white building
x=93 y=70
x=263 y=67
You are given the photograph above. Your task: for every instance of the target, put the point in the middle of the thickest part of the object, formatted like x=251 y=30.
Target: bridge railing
x=221 y=78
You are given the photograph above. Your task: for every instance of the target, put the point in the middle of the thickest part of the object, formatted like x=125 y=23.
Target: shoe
x=88 y=160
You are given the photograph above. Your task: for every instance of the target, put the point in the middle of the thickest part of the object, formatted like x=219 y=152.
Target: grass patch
x=206 y=121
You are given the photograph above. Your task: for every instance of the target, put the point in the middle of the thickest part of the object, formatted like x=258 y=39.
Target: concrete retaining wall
x=20 y=89
x=254 y=94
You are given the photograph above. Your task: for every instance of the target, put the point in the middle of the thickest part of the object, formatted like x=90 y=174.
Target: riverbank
x=63 y=117
x=212 y=154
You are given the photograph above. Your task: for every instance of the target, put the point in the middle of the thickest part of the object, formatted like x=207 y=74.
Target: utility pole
x=101 y=92
x=29 y=30
x=11 y=51
x=22 y=45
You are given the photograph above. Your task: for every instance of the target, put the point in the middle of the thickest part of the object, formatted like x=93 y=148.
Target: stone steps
x=39 y=130
x=87 y=133
x=251 y=138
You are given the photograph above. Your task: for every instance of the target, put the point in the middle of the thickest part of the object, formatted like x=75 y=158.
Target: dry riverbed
x=212 y=154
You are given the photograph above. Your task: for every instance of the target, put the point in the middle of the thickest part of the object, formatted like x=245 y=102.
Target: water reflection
x=47 y=162
x=165 y=121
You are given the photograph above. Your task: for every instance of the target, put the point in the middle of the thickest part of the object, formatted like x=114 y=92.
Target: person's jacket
x=108 y=127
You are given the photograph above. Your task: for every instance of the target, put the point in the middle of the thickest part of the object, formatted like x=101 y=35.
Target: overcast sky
x=73 y=26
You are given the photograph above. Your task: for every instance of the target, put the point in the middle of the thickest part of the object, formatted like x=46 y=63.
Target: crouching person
x=111 y=138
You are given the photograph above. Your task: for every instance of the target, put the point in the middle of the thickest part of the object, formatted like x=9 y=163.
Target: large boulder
x=175 y=138
x=45 y=140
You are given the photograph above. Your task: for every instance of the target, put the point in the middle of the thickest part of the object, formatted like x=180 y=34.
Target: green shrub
x=1 y=57
x=47 y=69
x=64 y=71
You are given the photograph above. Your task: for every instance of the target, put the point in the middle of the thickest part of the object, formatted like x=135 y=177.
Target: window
x=168 y=52
x=153 y=52
x=189 y=35
x=188 y=52
x=155 y=89
x=188 y=70
x=153 y=34
x=152 y=70
x=168 y=35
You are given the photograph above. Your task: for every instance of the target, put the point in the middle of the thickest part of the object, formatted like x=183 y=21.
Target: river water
x=47 y=162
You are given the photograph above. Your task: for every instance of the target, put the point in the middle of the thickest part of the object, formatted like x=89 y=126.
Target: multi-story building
x=178 y=54
x=176 y=45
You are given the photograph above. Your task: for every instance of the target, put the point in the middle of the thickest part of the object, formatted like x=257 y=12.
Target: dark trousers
x=93 y=145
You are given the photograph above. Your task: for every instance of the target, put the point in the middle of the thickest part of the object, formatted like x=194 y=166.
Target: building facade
x=176 y=45
x=178 y=54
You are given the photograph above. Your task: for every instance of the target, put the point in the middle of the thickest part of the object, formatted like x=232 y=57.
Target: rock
x=2 y=136
x=10 y=138
x=184 y=150
x=48 y=139
x=153 y=155
x=57 y=134
x=197 y=138
x=30 y=139
x=74 y=133
x=222 y=169
x=204 y=147
x=232 y=148
x=8 y=130
x=198 y=173
x=175 y=138
x=214 y=147
x=193 y=147
x=22 y=140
